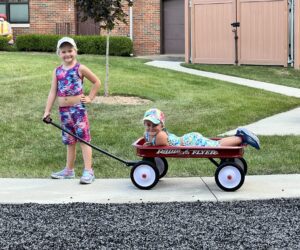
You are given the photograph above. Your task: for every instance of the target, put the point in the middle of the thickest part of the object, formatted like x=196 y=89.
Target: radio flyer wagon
x=229 y=175
x=145 y=174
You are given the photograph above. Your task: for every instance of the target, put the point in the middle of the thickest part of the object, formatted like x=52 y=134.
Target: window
x=2 y=8
x=17 y=11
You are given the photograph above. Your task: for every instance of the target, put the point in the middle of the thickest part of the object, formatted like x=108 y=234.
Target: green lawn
x=272 y=74
x=30 y=148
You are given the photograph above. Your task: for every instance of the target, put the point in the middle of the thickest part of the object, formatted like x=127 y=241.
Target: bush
x=91 y=44
x=119 y=46
x=43 y=43
x=4 y=43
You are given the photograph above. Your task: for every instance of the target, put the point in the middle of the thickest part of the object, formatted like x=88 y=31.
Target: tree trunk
x=106 y=92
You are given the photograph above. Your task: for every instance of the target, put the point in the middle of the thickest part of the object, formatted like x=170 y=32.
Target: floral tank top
x=69 y=82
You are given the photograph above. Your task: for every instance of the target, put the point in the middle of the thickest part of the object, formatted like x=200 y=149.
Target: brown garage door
x=173 y=26
x=263 y=33
x=212 y=34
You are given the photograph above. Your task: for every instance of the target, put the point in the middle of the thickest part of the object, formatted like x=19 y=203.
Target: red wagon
x=229 y=175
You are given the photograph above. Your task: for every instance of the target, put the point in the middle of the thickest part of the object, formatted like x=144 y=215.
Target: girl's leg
x=231 y=141
x=68 y=171
x=87 y=156
x=71 y=155
x=88 y=173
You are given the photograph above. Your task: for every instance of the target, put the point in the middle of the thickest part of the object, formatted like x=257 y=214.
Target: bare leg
x=71 y=156
x=87 y=156
x=231 y=141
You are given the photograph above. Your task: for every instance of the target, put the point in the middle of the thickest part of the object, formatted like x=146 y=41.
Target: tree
x=108 y=13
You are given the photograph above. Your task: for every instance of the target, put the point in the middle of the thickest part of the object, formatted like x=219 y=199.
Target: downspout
x=296 y=35
x=190 y=31
x=130 y=23
x=291 y=32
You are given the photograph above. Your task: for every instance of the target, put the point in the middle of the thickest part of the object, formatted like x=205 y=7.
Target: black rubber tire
x=242 y=163
x=149 y=175
x=236 y=183
x=161 y=163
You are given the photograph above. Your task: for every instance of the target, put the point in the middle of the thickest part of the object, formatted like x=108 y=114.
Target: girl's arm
x=161 y=139
x=85 y=72
x=51 y=96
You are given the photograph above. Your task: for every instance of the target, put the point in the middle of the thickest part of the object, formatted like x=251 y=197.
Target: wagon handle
x=47 y=119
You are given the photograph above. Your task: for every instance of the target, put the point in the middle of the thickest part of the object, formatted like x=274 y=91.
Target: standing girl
x=67 y=87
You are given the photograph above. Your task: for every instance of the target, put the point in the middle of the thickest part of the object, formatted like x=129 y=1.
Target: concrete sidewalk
x=167 y=190
x=286 y=123
x=280 y=89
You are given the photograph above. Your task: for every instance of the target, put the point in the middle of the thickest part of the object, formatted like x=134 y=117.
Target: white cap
x=66 y=40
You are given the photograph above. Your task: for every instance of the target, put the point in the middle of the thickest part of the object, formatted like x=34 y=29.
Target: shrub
x=90 y=44
x=119 y=46
x=4 y=43
x=34 y=42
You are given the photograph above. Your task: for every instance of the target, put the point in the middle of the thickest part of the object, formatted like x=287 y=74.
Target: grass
x=29 y=148
x=271 y=74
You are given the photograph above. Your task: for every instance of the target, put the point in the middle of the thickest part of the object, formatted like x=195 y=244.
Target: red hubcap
x=144 y=176
x=229 y=177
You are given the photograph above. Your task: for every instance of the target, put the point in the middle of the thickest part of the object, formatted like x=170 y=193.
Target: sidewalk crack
x=209 y=189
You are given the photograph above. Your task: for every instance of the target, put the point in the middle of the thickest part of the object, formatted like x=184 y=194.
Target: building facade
x=40 y=17
x=155 y=26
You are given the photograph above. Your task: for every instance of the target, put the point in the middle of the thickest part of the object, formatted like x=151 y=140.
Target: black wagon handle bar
x=48 y=120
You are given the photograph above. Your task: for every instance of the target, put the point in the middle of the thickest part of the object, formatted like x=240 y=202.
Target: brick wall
x=59 y=16
x=50 y=17
x=121 y=29
x=146 y=27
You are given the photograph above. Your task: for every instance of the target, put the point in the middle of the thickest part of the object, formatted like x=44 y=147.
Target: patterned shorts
x=196 y=139
x=74 y=119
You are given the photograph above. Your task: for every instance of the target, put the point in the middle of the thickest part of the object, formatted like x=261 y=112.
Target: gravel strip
x=267 y=224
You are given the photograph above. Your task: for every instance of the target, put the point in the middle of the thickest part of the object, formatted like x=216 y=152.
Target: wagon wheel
x=144 y=175
x=240 y=161
x=161 y=164
x=229 y=176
